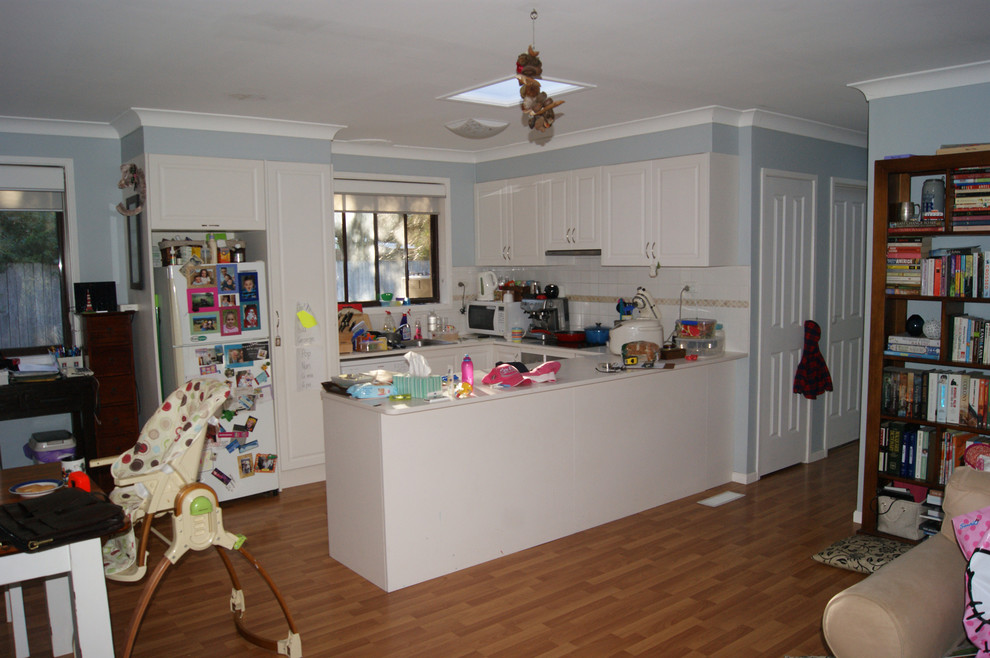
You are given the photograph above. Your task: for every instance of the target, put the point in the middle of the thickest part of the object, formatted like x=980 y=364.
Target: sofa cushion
x=968 y=490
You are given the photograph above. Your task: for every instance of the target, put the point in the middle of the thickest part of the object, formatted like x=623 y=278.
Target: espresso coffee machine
x=547 y=317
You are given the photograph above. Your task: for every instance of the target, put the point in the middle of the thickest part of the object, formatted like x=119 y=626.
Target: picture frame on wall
x=135 y=242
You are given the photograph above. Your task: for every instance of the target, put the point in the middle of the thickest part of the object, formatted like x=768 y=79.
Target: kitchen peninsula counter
x=416 y=490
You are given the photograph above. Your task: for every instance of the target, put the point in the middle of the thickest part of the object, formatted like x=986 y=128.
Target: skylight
x=505 y=93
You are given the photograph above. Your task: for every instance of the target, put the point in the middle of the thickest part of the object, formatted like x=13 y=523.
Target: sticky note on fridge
x=306 y=319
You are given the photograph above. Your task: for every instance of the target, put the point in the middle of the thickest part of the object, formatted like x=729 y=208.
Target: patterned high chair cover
x=174 y=427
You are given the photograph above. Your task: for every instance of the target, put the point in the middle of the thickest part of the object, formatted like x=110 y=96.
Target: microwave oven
x=496 y=318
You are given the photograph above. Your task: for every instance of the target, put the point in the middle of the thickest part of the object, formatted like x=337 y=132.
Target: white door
x=302 y=276
x=847 y=288
x=787 y=266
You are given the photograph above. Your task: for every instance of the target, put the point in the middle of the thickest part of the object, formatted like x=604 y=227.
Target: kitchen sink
x=424 y=342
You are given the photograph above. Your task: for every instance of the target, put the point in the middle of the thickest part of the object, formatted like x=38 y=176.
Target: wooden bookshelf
x=896 y=181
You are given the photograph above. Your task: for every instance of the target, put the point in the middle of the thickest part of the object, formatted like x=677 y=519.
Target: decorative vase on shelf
x=932 y=329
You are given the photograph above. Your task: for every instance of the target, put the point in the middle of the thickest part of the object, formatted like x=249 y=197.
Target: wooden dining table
x=78 y=610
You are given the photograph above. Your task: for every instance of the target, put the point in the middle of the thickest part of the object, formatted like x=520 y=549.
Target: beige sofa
x=912 y=607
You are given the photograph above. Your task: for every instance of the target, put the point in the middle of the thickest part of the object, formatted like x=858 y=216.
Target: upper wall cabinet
x=203 y=194
x=679 y=212
x=573 y=211
x=508 y=222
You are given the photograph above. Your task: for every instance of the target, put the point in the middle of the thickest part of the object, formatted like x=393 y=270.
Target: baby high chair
x=158 y=477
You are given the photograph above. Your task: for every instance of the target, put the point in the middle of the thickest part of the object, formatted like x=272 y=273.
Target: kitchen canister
x=933 y=196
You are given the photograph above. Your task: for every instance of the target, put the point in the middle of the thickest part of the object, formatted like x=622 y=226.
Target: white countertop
x=578 y=371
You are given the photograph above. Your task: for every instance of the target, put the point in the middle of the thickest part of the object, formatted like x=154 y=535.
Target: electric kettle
x=486 y=286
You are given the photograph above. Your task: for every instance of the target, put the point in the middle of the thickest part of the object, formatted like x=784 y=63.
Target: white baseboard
x=299 y=476
x=744 y=478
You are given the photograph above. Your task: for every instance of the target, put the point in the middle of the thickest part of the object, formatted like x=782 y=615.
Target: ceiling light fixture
x=476 y=128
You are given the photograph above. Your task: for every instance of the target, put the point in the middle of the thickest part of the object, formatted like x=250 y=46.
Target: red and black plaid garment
x=812 y=377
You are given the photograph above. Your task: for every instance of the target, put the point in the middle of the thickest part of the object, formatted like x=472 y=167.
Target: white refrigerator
x=214 y=323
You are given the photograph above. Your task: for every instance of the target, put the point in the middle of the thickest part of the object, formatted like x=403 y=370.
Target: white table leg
x=60 y=614
x=15 y=615
x=89 y=591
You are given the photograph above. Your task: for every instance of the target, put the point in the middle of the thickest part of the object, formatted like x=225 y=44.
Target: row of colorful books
x=970 y=342
x=904 y=449
x=954 y=446
x=936 y=396
x=971 y=199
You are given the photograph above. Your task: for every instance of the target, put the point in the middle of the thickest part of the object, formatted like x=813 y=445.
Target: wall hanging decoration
x=536 y=105
x=131 y=176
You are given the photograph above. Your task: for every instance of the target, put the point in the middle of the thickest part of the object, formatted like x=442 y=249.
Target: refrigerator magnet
x=202 y=324
x=234 y=355
x=264 y=463
x=204 y=276
x=229 y=299
x=227 y=278
x=202 y=300
x=245 y=465
x=250 y=314
x=231 y=322
x=247 y=285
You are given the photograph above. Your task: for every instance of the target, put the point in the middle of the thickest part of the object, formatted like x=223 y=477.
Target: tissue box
x=418 y=387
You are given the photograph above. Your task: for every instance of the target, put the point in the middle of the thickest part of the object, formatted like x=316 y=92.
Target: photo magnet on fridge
x=247 y=285
x=250 y=314
x=202 y=300
x=205 y=276
x=227 y=278
x=231 y=322
x=201 y=324
x=228 y=300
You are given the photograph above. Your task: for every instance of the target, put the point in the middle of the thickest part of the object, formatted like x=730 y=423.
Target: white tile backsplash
x=722 y=293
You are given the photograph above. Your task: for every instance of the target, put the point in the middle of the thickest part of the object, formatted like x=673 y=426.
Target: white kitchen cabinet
x=680 y=212
x=627 y=214
x=205 y=194
x=508 y=229
x=573 y=210
x=301 y=274
x=695 y=201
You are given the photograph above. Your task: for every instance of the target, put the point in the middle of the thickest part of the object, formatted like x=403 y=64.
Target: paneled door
x=847 y=289
x=787 y=266
x=302 y=276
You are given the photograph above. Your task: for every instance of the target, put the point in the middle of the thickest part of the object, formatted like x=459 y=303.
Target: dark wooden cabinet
x=109 y=346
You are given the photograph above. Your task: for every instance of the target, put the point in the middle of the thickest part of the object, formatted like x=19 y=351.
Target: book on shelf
x=948 y=149
x=904 y=451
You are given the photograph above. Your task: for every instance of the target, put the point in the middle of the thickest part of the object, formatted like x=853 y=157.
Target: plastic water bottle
x=467 y=370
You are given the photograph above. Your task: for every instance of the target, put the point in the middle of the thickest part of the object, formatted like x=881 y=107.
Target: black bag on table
x=61 y=517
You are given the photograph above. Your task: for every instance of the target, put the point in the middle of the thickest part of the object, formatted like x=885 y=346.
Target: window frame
x=70 y=246
x=434 y=248
x=345 y=182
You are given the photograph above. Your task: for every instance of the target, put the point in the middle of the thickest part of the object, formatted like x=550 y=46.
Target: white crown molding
x=138 y=117
x=402 y=152
x=921 y=81
x=804 y=127
x=57 y=127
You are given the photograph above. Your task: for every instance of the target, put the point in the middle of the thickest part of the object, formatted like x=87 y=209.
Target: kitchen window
x=34 y=309
x=387 y=244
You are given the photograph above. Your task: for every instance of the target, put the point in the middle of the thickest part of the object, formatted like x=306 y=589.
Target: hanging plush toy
x=535 y=103
x=132 y=176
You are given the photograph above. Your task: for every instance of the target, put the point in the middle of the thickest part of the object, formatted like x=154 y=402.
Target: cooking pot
x=551 y=291
x=570 y=336
x=629 y=331
x=597 y=335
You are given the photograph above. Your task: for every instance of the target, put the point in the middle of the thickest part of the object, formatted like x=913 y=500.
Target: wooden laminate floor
x=678 y=580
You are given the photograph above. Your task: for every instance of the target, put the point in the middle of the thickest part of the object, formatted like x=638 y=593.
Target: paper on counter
x=418 y=367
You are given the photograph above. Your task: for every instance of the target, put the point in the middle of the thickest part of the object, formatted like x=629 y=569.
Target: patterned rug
x=862 y=553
